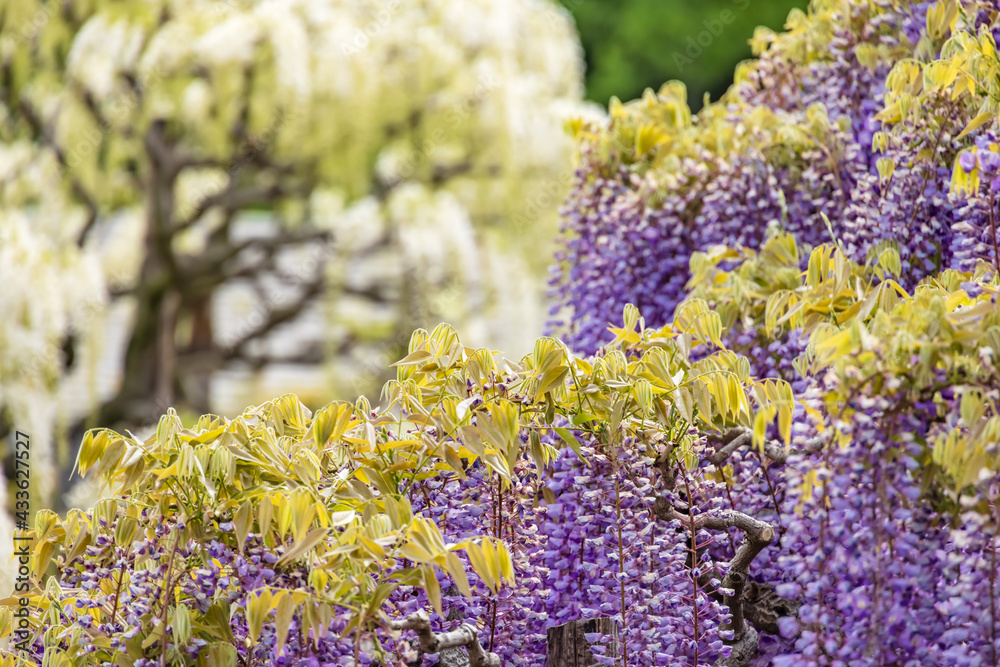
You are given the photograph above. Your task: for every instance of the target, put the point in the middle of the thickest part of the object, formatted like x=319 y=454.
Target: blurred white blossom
x=426 y=128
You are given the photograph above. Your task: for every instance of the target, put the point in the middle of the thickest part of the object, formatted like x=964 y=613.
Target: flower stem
x=621 y=564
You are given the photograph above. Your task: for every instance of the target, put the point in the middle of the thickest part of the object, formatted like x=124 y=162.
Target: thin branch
x=738 y=437
x=45 y=134
x=442 y=173
x=188 y=160
x=207 y=269
x=118 y=587
x=167 y=594
x=733 y=439
x=311 y=356
x=211 y=359
x=90 y=104
x=466 y=636
x=278 y=317
x=230 y=199
x=758 y=534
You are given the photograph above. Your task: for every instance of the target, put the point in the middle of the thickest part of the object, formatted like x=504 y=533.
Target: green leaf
x=311 y=539
x=218 y=617
x=414 y=358
x=342 y=518
x=616 y=417
x=433 y=589
x=478 y=562
x=257 y=609
x=972 y=408
x=283 y=619
x=381 y=594
x=552 y=379
x=760 y=422
x=976 y=123
x=243 y=522
x=536 y=451
x=416 y=552
x=570 y=440
x=456 y=569
x=684 y=403
x=182 y=624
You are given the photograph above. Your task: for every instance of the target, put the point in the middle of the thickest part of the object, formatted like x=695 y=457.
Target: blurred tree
x=400 y=149
x=631 y=45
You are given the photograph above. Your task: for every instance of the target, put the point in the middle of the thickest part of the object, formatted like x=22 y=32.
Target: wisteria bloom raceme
x=806 y=141
x=211 y=574
x=577 y=558
x=881 y=576
x=976 y=237
x=628 y=238
x=852 y=130
x=786 y=455
x=285 y=537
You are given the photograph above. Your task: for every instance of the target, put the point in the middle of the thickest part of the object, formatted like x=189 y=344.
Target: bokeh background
x=631 y=45
x=205 y=204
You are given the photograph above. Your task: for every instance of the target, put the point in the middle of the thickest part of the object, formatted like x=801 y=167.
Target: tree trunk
x=194 y=377
x=568 y=647
x=148 y=381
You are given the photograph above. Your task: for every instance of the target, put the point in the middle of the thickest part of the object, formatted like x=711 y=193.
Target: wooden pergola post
x=568 y=647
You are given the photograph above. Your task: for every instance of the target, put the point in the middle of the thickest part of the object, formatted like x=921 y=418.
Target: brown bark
x=194 y=380
x=151 y=353
x=736 y=438
x=762 y=606
x=568 y=647
x=172 y=351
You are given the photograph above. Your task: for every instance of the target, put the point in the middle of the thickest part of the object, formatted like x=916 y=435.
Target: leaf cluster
x=870 y=337
x=329 y=493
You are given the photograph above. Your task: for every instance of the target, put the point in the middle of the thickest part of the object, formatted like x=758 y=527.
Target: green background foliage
x=630 y=45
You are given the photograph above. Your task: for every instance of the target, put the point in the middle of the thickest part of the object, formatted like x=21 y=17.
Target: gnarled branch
x=232 y=198
x=434 y=642
x=277 y=317
x=758 y=534
x=206 y=272
x=738 y=437
x=46 y=136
